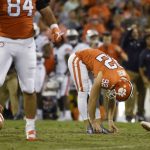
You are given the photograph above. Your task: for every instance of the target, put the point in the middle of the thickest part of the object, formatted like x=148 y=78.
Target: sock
x=68 y=115
x=82 y=104
x=30 y=124
x=39 y=114
x=97 y=114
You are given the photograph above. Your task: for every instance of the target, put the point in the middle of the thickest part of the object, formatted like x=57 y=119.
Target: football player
x=72 y=37
x=62 y=53
x=108 y=75
x=17 y=45
x=93 y=38
x=43 y=51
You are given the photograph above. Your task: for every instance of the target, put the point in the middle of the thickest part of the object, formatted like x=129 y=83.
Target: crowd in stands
x=120 y=28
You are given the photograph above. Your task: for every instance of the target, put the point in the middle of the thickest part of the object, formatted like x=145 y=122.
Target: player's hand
x=118 y=49
x=112 y=126
x=56 y=34
x=96 y=127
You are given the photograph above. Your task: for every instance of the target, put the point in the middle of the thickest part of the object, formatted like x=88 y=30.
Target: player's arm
x=94 y=96
x=48 y=16
x=111 y=112
x=120 y=51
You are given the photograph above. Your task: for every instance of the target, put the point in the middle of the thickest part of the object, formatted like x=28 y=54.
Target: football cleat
x=90 y=130
x=31 y=135
x=104 y=130
x=145 y=125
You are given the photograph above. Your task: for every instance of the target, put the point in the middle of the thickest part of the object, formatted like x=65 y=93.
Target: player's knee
x=29 y=91
x=29 y=87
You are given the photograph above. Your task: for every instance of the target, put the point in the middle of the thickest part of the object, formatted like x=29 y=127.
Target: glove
x=56 y=34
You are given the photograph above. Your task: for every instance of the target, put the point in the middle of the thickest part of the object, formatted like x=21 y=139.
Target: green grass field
x=70 y=136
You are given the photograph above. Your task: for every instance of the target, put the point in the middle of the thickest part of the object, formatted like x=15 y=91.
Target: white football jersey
x=60 y=53
x=80 y=47
x=40 y=41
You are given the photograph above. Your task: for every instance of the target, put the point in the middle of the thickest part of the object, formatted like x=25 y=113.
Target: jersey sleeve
x=40 y=4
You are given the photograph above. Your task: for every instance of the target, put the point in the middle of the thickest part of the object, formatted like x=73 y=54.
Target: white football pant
x=40 y=77
x=80 y=76
x=22 y=53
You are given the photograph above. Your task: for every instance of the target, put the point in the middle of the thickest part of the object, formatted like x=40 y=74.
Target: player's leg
x=80 y=76
x=130 y=104
x=141 y=99
x=3 y=94
x=82 y=95
x=5 y=60
x=12 y=86
x=39 y=81
x=64 y=101
x=25 y=61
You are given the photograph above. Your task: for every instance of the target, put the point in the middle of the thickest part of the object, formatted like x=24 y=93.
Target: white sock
x=39 y=114
x=68 y=114
x=97 y=114
x=30 y=124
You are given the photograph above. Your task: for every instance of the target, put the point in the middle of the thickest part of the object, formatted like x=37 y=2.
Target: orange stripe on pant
x=79 y=75
x=73 y=66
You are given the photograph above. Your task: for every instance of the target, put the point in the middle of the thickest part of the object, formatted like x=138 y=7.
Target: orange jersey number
x=27 y=6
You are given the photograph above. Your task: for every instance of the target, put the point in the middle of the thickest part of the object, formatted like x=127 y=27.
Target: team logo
x=1 y=44
x=121 y=92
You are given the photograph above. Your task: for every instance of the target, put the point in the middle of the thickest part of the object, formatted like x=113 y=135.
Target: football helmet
x=92 y=36
x=72 y=36
x=122 y=90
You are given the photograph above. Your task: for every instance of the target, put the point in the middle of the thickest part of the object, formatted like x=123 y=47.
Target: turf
x=70 y=136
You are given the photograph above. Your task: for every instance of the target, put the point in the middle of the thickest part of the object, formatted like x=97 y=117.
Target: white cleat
x=31 y=135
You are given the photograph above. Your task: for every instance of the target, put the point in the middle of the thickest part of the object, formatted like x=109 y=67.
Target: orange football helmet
x=122 y=90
